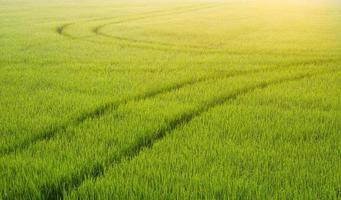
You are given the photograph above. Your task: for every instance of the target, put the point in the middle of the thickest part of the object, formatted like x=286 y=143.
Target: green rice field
x=170 y=99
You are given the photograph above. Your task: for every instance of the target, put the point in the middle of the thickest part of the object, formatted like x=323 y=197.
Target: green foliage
x=170 y=100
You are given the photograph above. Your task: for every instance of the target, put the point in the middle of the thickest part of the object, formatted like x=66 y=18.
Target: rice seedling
x=170 y=99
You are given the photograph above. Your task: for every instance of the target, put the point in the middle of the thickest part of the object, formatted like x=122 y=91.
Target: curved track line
x=97 y=29
x=102 y=109
x=164 y=46
x=149 y=140
x=159 y=13
x=145 y=44
x=199 y=51
x=61 y=29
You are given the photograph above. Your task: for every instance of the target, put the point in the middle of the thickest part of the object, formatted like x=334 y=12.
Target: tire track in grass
x=61 y=29
x=190 y=47
x=148 y=15
x=50 y=132
x=146 y=44
x=146 y=142
x=162 y=46
x=102 y=109
x=196 y=49
x=98 y=29
x=123 y=42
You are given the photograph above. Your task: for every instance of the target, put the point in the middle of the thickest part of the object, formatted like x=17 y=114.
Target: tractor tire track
x=149 y=42
x=50 y=132
x=127 y=42
x=137 y=43
x=192 y=47
x=145 y=44
x=61 y=30
x=97 y=30
x=162 y=46
x=103 y=109
x=147 y=142
x=148 y=15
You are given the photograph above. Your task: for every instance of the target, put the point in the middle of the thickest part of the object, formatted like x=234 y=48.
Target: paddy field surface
x=170 y=99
